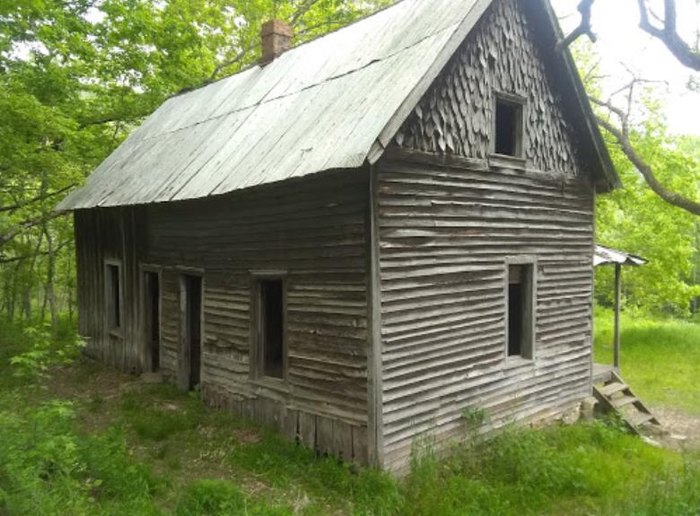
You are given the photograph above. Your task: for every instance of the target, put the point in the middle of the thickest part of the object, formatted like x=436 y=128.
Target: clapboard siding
x=444 y=234
x=314 y=232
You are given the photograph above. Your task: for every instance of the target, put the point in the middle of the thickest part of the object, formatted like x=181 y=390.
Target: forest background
x=77 y=76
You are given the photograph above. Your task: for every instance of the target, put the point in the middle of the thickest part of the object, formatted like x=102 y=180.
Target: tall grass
x=660 y=358
x=580 y=469
x=162 y=452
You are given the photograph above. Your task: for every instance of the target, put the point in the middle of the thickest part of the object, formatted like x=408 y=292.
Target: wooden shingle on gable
x=501 y=56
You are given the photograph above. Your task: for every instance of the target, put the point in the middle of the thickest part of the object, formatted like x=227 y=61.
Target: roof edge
x=610 y=175
x=609 y=180
x=408 y=105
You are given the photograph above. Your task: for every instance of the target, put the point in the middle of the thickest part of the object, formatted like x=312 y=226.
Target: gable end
x=501 y=56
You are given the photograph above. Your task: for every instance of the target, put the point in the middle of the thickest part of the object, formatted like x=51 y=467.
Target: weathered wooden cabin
x=363 y=238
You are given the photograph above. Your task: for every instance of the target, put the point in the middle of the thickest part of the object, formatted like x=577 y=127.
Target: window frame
x=116 y=330
x=257 y=356
x=521 y=134
x=528 y=350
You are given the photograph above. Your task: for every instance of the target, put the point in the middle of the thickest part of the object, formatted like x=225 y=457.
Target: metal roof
x=331 y=103
x=606 y=255
x=318 y=106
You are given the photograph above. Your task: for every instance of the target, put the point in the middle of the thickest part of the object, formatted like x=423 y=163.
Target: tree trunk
x=49 y=288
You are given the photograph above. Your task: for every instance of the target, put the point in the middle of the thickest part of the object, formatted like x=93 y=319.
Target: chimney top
x=276 y=39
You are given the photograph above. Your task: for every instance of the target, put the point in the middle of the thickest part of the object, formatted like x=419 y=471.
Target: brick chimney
x=276 y=39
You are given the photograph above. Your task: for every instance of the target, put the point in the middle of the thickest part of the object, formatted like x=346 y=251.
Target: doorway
x=151 y=288
x=191 y=312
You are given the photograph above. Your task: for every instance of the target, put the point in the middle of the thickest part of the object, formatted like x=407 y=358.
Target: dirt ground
x=682 y=430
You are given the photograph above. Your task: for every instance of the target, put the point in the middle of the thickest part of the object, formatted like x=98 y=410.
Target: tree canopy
x=78 y=75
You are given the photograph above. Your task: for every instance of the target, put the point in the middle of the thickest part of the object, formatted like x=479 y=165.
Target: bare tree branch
x=327 y=23
x=38 y=198
x=583 y=28
x=301 y=11
x=12 y=259
x=26 y=224
x=645 y=169
x=112 y=118
x=668 y=34
x=236 y=59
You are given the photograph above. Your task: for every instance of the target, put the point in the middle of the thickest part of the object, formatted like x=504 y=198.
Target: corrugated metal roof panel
x=607 y=255
x=317 y=107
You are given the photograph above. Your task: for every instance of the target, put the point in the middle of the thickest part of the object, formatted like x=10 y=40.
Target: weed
x=474 y=417
x=45 y=351
x=218 y=497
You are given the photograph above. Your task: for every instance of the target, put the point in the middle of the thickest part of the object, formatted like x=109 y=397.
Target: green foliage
x=637 y=220
x=157 y=420
x=211 y=497
x=660 y=358
x=76 y=78
x=283 y=464
x=218 y=497
x=474 y=417
x=54 y=460
x=45 y=351
x=47 y=468
x=582 y=469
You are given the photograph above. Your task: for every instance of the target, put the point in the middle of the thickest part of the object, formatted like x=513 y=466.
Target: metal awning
x=607 y=255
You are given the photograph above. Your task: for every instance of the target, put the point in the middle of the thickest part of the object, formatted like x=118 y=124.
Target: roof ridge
x=189 y=89
x=266 y=100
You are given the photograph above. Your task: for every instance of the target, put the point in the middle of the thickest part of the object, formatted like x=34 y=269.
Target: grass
x=659 y=358
x=87 y=440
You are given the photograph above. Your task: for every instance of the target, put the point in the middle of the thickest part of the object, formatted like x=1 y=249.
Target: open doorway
x=191 y=341
x=151 y=290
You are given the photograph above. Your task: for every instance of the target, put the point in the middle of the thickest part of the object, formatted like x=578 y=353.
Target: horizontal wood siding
x=444 y=235
x=313 y=231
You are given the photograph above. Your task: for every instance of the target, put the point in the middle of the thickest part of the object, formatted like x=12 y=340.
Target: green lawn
x=660 y=359
x=87 y=440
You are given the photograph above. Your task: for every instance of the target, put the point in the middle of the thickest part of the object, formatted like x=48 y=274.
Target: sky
x=620 y=41
x=621 y=44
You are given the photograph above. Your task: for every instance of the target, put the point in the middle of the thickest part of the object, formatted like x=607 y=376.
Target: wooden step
x=613 y=387
x=637 y=420
x=623 y=401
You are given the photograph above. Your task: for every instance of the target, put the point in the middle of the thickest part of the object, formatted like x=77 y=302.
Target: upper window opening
x=520 y=310
x=271 y=327
x=114 y=305
x=509 y=128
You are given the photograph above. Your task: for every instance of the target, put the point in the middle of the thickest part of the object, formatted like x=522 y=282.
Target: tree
x=616 y=120
x=76 y=77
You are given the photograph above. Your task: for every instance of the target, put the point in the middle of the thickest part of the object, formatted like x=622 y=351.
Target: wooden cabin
x=363 y=238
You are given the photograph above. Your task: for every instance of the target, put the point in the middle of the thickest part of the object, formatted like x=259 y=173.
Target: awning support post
x=616 y=334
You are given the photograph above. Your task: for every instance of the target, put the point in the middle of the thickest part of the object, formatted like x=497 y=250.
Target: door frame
x=184 y=359
x=146 y=355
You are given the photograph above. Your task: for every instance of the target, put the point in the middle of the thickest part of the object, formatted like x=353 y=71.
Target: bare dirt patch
x=682 y=429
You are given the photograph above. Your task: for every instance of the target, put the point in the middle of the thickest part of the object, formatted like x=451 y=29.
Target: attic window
x=508 y=129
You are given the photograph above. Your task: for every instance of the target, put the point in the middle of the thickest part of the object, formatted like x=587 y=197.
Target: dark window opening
x=193 y=325
x=152 y=318
x=520 y=310
x=271 y=331
x=114 y=312
x=508 y=128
